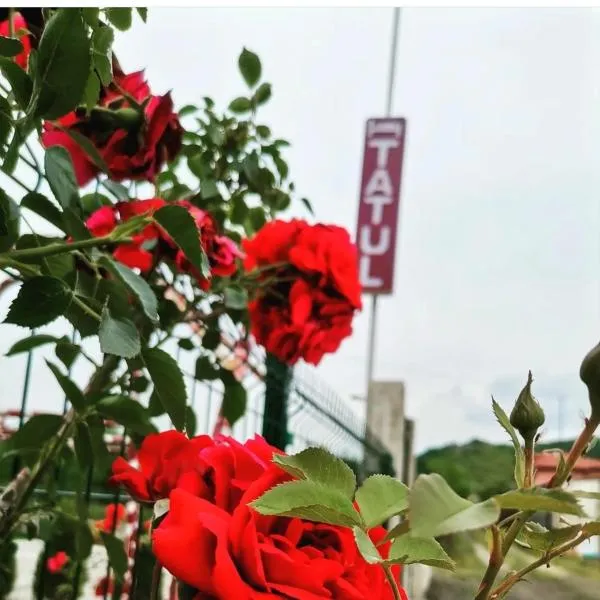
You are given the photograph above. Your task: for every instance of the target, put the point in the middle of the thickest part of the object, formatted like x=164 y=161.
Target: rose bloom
x=56 y=563
x=233 y=552
x=114 y=514
x=310 y=289
x=20 y=30
x=152 y=243
x=137 y=151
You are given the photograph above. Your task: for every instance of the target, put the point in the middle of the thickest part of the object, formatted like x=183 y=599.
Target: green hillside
x=479 y=468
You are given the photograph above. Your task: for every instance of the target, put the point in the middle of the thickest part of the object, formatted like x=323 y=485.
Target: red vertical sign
x=379 y=202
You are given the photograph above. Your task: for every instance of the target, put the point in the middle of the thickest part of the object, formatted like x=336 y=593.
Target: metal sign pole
x=388 y=112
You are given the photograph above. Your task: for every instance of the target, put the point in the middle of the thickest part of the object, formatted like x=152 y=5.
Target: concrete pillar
x=385 y=419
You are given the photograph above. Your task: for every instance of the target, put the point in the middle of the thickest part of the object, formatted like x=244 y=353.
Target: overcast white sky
x=498 y=264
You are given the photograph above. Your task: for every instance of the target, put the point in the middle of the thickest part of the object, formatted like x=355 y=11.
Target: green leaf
x=41 y=206
x=72 y=392
x=188 y=109
x=536 y=537
x=257 y=218
x=435 y=509
x=20 y=83
x=39 y=301
x=409 y=549
x=102 y=40
x=10 y=46
x=186 y=344
x=127 y=412
x=381 y=497
x=263 y=131
x=309 y=208
x=66 y=352
x=62 y=65
x=116 y=554
x=35 y=432
x=6 y=126
x=143 y=12
x=190 y=422
x=84 y=451
x=209 y=189
x=61 y=177
x=119 y=17
x=540 y=499
x=180 y=226
x=118 y=190
x=118 y=336
x=250 y=67
x=138 y=286
x=31 y=342
x=234 y=402
x=263 y=93
x=90 y=15
x=168 y=384
x=320 y=466
x=504 y=421
x=308 y=500
x=92 y=91
x=235 y=297
x=205 y=370
x=84 y=540
x=9 y=221
x=366 y=547
x=240 y=105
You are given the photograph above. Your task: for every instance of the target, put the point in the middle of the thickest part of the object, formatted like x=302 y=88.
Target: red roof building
x=546 y=463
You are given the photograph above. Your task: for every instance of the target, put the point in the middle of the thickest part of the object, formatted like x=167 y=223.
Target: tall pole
x=388 y=112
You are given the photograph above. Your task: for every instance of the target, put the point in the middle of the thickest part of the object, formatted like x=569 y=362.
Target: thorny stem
x=86 y=309
x=545 y=559
x=528 y=450
x=154 y=588
x=54 y=249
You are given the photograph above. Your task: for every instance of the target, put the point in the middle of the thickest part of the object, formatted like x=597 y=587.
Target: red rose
x=134 y=145
x=56 y=563
x=233 y=552
x=152 y=243
x=166 y=460
x=311 y=293
x=20 y=30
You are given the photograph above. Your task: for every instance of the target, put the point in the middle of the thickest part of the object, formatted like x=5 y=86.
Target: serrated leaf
x=66 y=352
x=102 y=40
x=127 y=412
x=366 y=547
x=381 y=497
x=62 y=65
x=143 y=12
x=504 y=421
x=61 y=177
x=39 y=301
x=234 y=402
x=119 y=17
x=536 y=537
x=31 y=342
x=168 y=382
x=320 y=466
x=250 y=67
x=72 y=392
x=140 y=288
x=118 y=336
x=541 y=499
x=41 y=206
x=409 y=549
x=240 y=105
x=86 y=146
x=435 y=509
x=116 y=554
x=182 y=229
x=308 y=500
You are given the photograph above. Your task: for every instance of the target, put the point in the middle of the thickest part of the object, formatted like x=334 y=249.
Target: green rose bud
x=527 y=415
x=590 y=375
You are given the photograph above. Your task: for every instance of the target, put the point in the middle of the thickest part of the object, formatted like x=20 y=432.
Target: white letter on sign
x=383 y=145
x=383 y=244
x=365 y=277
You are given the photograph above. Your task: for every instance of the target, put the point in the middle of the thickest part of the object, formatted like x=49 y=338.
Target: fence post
x=277 y=390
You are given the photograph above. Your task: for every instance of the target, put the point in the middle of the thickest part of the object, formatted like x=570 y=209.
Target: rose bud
x=527 y=415
x=590 y=375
